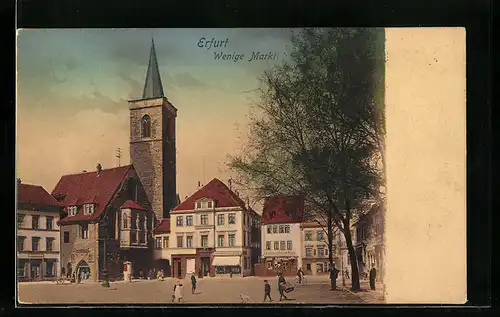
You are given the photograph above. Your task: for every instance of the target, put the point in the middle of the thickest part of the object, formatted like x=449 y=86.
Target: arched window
x=125 y=221
x=146 y=126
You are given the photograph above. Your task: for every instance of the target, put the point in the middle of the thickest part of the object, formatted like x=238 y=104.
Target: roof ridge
x=104 y=169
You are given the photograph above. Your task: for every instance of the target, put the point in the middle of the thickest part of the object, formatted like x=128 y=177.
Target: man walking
x=267 y=291
x=281 y=286
x=373 y=275
x=193 y=283
x=334 y=273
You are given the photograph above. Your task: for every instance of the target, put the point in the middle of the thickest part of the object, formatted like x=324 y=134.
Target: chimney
x=84 y=171
x=199 y=184
x=99 y=169
x=19 y=181
x=230 y=182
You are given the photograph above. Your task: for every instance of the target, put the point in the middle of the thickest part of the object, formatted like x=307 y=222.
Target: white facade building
x=211 y=233
x=38 y=237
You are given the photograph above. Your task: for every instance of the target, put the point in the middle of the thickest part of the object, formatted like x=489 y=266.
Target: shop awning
x=226 y=261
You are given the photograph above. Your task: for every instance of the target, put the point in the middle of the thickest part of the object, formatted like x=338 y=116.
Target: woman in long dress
x=178 y=292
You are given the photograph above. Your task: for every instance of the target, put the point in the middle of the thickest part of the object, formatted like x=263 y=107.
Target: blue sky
x=73 y=87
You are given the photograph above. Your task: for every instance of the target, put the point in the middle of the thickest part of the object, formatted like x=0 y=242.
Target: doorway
x=179 y=269
x=205 y=266
x=83 y=271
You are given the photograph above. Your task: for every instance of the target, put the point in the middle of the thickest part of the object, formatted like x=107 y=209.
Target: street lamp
x=104 y=223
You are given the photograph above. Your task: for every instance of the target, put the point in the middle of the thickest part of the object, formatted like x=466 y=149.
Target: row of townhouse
x=289 y=243
x=213 y=232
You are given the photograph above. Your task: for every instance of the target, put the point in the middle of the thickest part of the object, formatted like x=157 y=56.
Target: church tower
x=152 y=141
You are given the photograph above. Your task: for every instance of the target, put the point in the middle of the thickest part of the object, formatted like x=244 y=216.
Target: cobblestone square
x=209 y=291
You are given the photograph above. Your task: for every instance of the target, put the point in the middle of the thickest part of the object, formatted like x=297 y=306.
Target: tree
x=318 y=130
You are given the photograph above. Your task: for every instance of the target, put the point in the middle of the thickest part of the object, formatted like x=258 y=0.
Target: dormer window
x=72 y=210
x=205 y=203
x=88 y=209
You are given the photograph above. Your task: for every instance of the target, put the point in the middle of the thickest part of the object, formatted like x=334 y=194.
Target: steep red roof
x=35 y=195
x=78 y=189
x=163 y=227
x=130 y=204
x=216 y=190
x=283 y=209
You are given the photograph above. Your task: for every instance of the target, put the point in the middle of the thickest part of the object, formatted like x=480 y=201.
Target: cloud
x=186 y=80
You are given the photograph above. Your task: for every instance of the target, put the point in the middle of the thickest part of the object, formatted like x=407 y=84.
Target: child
x=267 y=291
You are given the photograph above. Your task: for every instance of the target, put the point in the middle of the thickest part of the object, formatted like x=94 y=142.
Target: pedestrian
x=373 y=275
x=334 y=273
x=267 y=291
x=178 y=291
x=193 y=283
x=281 y=286
x=346 y=273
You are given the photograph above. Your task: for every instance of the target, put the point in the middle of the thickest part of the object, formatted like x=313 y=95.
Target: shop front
x=227 y=265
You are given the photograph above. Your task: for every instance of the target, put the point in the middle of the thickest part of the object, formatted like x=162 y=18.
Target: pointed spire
x=152 y=87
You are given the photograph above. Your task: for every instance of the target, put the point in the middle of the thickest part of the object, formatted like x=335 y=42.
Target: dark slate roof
x=152 y=87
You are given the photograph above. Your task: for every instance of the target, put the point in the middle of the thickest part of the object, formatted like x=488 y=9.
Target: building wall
x=78 y=249
x=294 y=235
x=154 y=157
x=27 y=254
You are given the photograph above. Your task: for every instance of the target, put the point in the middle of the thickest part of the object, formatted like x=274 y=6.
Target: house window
x=204 y=241
x=308 y=236
x=204 y=219
x=20 y=220
x=321 y=252
x=320 y=235
x=158 y=243
x=198 y=205
x=35 y=241
x=84 y=231
x=282 y=245
x=66 y=237
x=179 y=220
x=308 y=251
x=326 y=251
x=88 y=209
x=220 y=240
x=20 y=243
x=314 y=252
x=35 y=222
x=308 y=267
x=275 y=229
x=287 y=229
x=125 y=221
x=220 y=220
x=189 y=241
x=49 y=243
x=189 y=220
x=209 y=204
x=289 y=245
x=269 y=229
x=49 y=269
x=282 y=229
x=146 y=126
x=49 y=220
x=268 y=245
x=231 y=219
x=179 y=241
x=276 y=245
x=165 y=242
x=72 y=210
x=232 y=238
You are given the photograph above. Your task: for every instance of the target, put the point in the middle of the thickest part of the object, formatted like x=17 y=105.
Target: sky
x=73 y=87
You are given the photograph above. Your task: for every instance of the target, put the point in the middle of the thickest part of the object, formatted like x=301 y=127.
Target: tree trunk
x=352 y=257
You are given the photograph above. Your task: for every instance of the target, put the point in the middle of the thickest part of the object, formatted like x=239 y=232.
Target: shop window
x=308 y=267
x=245 y=263
x=49 y=269
x=319 y=267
